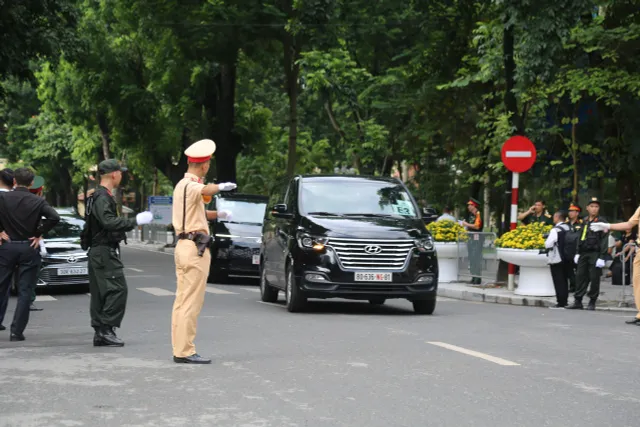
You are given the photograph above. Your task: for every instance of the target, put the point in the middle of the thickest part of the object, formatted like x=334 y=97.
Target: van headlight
x=308 y=241
x=425 y=244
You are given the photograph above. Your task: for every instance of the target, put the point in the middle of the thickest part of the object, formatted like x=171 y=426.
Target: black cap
x=110 y=165
x=594 y=200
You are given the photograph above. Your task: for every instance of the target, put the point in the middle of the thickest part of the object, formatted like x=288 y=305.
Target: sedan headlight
x=308 y=241
x=424 y=244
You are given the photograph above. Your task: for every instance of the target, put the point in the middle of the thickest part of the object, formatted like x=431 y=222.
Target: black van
x=350 y=237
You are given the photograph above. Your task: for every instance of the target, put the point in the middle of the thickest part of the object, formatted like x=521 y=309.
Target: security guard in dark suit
x=104 y=230
x=474 y=226
x=592 y=248
x=575 y=229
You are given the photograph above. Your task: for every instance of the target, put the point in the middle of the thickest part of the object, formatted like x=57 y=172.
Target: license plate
x=373 y=277
x=73 y=271
x=256 y=259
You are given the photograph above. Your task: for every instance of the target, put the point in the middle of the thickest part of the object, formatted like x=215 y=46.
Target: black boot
x=577 y=305
x=106 y=337
x=592 y=305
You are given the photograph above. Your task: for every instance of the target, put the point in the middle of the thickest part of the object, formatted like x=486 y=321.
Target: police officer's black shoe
x=634 y=321
x=592 y=305
x=3 y=328
x=577 y=305
x=194 y=358
x=107 y=338
x=16 y=337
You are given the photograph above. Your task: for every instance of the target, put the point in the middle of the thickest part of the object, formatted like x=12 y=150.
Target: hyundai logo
x=72 y=260
x=372 y=249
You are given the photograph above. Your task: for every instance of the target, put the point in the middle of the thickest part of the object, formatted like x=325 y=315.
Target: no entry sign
x=518 y=154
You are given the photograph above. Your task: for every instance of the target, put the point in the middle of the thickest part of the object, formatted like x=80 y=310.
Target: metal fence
x=478 y=258
x=152 y=233
x=626 y=283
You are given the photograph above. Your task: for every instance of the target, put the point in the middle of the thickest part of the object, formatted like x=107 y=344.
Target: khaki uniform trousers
x=192 y=272
x=636 y=282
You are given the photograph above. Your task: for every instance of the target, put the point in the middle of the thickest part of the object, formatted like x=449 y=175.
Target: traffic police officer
x=37 y=188
x=575 y=229
x=474 y=226
x=626 y=226
x=105 y=230
x=592 y=249
x=192 y=257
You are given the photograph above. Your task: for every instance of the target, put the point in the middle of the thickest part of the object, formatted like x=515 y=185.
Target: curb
x=516 y=300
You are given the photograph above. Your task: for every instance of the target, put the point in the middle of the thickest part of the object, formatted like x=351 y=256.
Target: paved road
x=341 y=364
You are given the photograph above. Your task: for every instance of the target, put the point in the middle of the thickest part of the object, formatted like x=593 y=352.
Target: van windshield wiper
x=371 y=215
x=324 y=213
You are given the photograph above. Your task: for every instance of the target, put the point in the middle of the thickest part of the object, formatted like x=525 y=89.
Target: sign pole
x=511 y=284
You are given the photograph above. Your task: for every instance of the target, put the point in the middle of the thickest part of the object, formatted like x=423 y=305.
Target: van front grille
x=372 y=254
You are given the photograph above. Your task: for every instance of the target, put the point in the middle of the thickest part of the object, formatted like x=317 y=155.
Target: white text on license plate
x=72 y=271
x=373 y=277
x=256 y=259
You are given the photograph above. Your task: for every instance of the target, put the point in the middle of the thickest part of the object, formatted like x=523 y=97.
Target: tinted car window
x=244 y=211
x=68 y=227
x=356 y=196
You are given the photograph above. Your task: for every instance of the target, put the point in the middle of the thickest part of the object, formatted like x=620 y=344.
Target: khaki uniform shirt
x=196 y=217
x=635 y=219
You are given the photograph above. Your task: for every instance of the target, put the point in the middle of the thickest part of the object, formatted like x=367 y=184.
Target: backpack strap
x=184 y=207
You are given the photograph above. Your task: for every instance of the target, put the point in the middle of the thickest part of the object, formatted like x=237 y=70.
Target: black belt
x=188 y=236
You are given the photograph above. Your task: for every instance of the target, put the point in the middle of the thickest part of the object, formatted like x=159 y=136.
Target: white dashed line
x=159 y=292
x=251 y=289
x=473 y=353
x=137 y=270
x=41 y=298
x=272 y=304
x=213 y=290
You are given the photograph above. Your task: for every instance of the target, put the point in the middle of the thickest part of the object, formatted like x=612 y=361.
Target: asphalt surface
x=340 y=364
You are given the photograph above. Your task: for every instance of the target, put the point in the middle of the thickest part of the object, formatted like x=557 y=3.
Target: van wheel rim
x=288 y=287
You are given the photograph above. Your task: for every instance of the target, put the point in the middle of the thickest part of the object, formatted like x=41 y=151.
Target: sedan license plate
x=256 y=259
x=72 y=271
x=373 y=277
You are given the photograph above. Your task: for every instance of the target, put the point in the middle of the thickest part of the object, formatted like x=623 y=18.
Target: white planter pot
x=535 y=274
x=448 y=260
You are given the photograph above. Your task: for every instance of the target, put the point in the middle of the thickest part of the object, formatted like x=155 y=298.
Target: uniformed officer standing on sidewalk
x=592 y=249
x=474 y=226
x=104 y=231
x=573 y=235
x=36 y=188
x=192 y=256
x=21 y=219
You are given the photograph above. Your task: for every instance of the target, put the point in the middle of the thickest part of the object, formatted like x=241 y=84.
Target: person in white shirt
x=560 y=267
x=446 y=216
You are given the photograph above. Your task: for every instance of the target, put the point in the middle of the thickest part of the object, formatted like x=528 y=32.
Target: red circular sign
x=518 y=154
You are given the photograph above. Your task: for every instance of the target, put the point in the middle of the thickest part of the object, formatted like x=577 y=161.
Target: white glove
x=600 y=226
x=144 y=218
x=224 y=215
x=227 y=186
x=576 y=258
x=599 y=263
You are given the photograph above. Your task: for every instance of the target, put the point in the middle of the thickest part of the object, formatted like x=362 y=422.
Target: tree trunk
x=227 y=140
x=292 y=72
x=101 y=118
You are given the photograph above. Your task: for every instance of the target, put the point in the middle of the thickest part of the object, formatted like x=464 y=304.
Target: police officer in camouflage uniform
x=536 y=213
x=103 y=232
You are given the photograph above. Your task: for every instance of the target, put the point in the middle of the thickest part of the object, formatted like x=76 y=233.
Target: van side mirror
x=280 y=211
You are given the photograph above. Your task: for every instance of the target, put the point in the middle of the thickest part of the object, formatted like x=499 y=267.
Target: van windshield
x=355 y=197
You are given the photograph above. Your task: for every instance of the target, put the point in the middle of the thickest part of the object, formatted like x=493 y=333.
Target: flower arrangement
x=447 y=231
x=525 y=237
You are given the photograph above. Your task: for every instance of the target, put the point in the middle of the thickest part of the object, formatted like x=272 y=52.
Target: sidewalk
x=610 y=296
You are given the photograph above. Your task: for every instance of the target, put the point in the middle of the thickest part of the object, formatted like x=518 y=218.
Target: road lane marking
x=213 y=290
x=252 y=289
x=272 y=304
x=155 y=251
x=473 y=353
x=40 y=298
x=137 y=270
x=159 y=292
